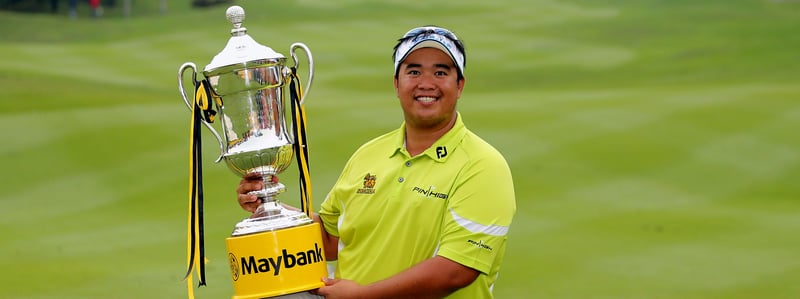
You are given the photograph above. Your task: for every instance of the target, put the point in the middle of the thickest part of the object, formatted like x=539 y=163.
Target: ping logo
x=430 y=193
x=441 y=152
x=480 y=244
x=255 y=265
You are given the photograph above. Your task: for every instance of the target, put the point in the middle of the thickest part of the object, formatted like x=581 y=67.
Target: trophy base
x=283 y=263
x=270 y=216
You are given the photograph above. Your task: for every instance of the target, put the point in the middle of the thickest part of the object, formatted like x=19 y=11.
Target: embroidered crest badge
x=369 y=184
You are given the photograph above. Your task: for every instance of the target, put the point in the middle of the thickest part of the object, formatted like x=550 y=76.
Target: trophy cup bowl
x=254 y=126
x=249 y=80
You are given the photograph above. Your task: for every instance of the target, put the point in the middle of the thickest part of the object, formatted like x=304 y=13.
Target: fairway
x=654 y=144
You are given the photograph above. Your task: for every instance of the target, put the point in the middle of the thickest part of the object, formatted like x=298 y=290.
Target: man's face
x=428 y=88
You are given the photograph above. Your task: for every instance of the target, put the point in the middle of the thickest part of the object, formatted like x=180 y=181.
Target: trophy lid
x=241 y=48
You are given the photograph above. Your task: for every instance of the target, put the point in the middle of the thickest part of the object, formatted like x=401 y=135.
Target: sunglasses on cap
x=430 y=30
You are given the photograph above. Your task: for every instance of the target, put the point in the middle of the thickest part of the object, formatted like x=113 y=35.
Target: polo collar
x=441 y=149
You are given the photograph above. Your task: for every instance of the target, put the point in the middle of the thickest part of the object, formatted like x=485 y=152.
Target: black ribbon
x=202 y=111
x=300 y=144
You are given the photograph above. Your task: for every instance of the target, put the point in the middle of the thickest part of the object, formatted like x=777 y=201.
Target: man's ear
x=461 y=83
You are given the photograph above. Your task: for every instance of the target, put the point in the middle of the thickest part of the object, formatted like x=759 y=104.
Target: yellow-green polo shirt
x=392 y=211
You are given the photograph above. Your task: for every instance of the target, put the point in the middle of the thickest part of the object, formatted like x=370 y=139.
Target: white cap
x=430 y=37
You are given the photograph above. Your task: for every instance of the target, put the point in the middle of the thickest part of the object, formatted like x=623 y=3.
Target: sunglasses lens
x=430 y=30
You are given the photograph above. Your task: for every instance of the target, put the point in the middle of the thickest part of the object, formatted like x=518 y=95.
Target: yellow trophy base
x=279 y=262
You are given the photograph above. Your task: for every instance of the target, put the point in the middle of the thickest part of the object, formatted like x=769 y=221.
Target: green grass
x=654 y=143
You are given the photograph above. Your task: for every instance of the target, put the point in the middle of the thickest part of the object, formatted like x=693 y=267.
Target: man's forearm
x=329 y=242
x=433 y=278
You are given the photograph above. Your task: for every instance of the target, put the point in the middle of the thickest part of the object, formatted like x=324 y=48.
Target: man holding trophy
x=422 y=211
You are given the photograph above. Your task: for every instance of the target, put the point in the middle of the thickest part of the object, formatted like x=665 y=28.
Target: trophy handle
x=292 y=49
x=188 y=103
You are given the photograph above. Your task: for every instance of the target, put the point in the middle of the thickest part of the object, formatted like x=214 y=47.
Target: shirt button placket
x=402 y=179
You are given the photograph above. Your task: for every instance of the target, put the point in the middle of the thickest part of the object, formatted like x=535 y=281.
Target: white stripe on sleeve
x=492 y=230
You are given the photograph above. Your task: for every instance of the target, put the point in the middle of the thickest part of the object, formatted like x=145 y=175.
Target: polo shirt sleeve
x=331 y=207
x=329 y=213
x=479 y=213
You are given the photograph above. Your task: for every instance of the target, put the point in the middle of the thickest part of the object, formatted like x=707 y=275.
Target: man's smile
x=426 y=99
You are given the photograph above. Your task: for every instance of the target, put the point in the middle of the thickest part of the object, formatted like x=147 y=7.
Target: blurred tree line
x=96 y=6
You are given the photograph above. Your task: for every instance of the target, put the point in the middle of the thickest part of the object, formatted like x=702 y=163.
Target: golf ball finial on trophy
x=276 y=251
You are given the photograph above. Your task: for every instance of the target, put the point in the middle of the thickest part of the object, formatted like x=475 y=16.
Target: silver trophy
x=248 y=79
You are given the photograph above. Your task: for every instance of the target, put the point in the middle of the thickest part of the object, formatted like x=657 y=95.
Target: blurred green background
x=654 y=144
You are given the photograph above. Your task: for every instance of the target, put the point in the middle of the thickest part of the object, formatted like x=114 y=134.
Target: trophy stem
x=267 y=208
x=270 y=205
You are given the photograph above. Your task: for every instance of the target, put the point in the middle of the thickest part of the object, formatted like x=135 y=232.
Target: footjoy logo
x=441 y=152
x=274 y=265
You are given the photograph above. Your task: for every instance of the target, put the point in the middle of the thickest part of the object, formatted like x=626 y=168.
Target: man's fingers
x=252 y=176
x=250 y=182
x=247 y=198
x=247 y=185
x=329 y=282
x=248 y=202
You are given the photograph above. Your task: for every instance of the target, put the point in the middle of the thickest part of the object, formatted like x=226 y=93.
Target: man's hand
x=250 y=182
x=340 y=288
